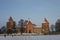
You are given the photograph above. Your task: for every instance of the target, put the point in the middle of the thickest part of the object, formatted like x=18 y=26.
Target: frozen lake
x=41 y=37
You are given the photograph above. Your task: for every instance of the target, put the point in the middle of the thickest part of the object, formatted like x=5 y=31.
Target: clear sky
x=36 y=10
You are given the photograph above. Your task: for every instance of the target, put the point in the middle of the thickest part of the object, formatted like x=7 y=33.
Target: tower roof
x=10 y=19
x=45 y=20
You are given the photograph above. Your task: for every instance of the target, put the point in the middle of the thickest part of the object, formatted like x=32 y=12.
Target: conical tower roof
x=45 y=21
x=10 y=19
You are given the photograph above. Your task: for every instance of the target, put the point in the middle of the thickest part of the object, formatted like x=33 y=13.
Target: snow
x=41 y=37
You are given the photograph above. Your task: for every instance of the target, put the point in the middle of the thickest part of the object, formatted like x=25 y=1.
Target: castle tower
x=10 y=24
x=45 y=26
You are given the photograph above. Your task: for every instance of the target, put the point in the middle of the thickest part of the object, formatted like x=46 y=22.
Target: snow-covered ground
x=19 y=34
x=41 y=37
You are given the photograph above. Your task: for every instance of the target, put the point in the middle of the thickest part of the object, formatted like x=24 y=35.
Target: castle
x=29 y=27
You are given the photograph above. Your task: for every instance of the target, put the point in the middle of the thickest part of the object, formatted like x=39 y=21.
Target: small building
x=37 y=30
x=18 y=29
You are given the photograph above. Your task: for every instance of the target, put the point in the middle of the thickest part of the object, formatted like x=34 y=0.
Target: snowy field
x=41 y=37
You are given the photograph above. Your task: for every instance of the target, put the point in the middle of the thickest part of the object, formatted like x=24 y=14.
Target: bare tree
x=52 y=27
x=57 y=25
x=21 y=24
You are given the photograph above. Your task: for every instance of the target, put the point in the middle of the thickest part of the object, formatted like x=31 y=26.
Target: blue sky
x=36 y=10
